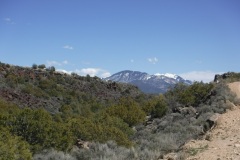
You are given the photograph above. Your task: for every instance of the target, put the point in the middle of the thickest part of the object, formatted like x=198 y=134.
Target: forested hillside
x=46 y=114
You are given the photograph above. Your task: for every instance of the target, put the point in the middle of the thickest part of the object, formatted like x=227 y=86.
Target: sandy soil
x=223 y=142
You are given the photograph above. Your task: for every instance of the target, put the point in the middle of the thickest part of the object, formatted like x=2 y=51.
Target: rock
x=217 y=77
x=148 y=118
x=170 y=156
x=211 y=122
x=208 y=137
x=82 y=144
x=10 y=96
x=237 y=145
x=186 y=111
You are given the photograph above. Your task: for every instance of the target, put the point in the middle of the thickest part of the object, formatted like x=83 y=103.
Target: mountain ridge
x=156 y=83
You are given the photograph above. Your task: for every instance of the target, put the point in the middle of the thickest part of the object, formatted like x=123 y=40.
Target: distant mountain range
x=157 y=83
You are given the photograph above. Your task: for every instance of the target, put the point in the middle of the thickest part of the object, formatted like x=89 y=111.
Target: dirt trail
x=224 y=140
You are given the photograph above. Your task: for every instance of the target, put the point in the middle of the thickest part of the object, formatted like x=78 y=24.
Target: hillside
x=46 y=88
x=46 y=114
x=223 y=142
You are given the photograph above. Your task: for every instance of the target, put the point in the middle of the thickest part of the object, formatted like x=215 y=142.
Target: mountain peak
x=127 y=76
x=169 y=75
x=157 y=83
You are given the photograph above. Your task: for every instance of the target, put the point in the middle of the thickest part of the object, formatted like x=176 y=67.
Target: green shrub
x=156 y=106
x=33 y=90
x=160 y=109
x=87 y=130
x=39 y=130
x=105 y=119
x=127 y=110
x=12 y=80
x=13 y=147
x=190 y=95
x=149 y=105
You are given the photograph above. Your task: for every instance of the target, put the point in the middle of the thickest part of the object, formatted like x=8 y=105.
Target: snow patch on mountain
x=169 y=75
x=157 y=83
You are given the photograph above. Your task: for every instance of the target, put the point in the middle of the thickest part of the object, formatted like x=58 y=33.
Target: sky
x=195 y=39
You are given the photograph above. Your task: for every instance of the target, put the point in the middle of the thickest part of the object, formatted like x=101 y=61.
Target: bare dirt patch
x=223 y=142
x=235 y=87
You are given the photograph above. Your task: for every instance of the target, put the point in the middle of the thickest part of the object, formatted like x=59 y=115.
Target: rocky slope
x=44 y=88
x=223 y=142
x=157 y=83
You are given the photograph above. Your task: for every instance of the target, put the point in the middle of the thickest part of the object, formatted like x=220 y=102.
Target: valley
x=46 y=114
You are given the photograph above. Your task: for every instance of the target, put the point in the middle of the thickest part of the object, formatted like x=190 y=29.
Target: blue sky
x=192 y=38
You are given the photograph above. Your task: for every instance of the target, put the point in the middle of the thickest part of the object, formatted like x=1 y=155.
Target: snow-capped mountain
x=157 y=83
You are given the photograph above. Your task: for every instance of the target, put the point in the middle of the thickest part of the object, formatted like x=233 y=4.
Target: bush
x=192 y=95
x=111 y=121
x=30 y=89
x=88 y=78
x=40 y=131
x=12 y=147
x=12 y=80
x=34 y=66
x=160 y=108
x=109 y=150
x=52 y=154
x=42 y=66
x=51 y=69
x=127 y=110
x=85 y=129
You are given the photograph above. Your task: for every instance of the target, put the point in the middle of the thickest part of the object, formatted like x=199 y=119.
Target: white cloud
x=68 y=47
x=9 y=21
x=105 y=74
x=153 y=60
x=55 y=63
x=94 y=72
x=91 y=71
x=131 y=60
x=64 y=71
x=65 y=62
x=205 y=76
